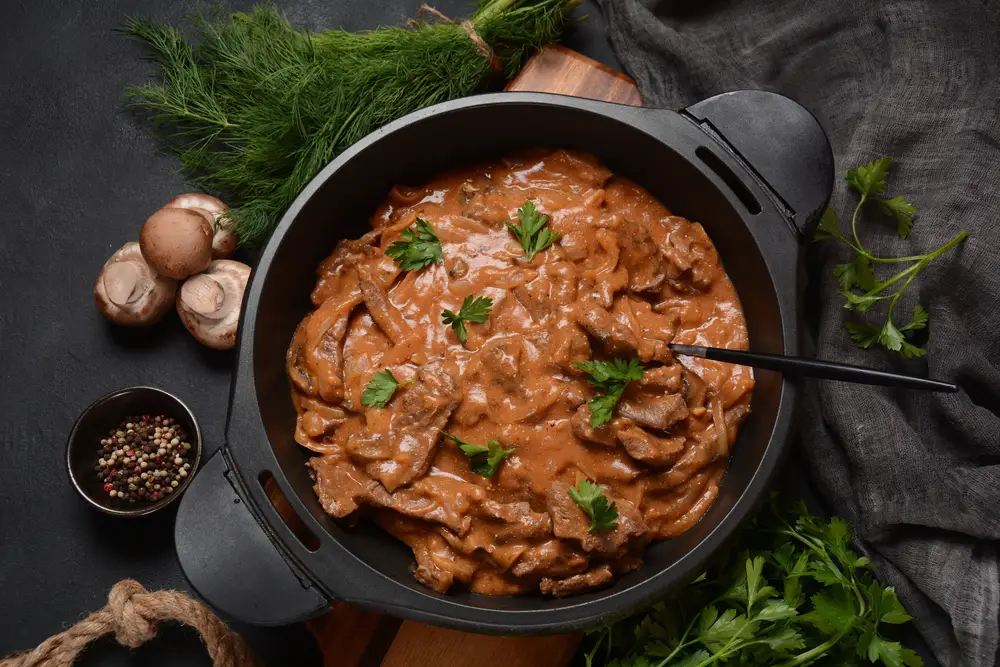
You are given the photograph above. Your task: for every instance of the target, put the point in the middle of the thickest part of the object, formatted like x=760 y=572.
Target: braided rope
x=132 y=614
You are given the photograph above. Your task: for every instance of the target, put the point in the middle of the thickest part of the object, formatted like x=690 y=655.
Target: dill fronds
x=254 y=108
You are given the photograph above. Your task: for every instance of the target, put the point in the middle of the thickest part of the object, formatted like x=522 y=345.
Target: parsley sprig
x=861 y=288
x=485 y=460
x=789 y=592
x=418 y=248
x=533 y=233
x=379 y=390
x=611 y=377
x=473 y=310
x=594 y=504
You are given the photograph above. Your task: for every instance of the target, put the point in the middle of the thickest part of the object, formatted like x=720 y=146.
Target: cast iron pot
x=753 y=167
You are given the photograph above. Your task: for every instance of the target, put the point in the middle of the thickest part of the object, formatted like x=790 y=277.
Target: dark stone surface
x=79 y=176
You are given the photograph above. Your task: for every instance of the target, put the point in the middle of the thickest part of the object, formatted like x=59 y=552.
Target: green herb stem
x=854 y=223
x=726 y=651
x=682 y=643
x=818 y=549
x=912 y=271
x=814 y=653
x=860 y=249
x=492 y=9
x=937 y=252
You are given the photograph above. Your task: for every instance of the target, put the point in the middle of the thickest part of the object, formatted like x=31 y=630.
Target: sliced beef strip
x=568 y=343
x=593 y=578
x=570 y=522
x=677 y=253
x=502 y=555
x=652 y=408
x=695 y=390
x=503 y=530
x=342 y=488
x=335 y=274
x=318 y=418
x=580 y=166
x=607 y=285
x=295 y=361
x=654 y=331
x=650 y=280
x=328 y=325
x=564 y=278
x=442 y=500
x=428 y=572
x=626 y=563
x=668 y=379
x=376 y=299
x=557 y=558
x=650 y=449
x=630 y=329
x=639 y=241
x=438 y=565
x=410 y=433
x=517 y=520
x=501 y=364
x=616 y=338
x=686 y=254
x=534 y=297
x=580 y=425
x=703 y=451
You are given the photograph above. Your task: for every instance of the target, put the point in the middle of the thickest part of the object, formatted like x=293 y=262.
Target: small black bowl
x=107 y=412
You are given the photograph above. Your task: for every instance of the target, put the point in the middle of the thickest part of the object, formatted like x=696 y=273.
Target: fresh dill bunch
x=254 y=108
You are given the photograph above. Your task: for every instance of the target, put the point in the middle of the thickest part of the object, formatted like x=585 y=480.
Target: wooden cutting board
x=351 y=637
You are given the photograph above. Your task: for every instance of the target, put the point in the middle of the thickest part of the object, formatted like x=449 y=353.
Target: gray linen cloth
x=919 y=80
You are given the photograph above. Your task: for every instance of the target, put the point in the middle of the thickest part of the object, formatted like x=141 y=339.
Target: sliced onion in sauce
x=719 y=419
x=405 y=194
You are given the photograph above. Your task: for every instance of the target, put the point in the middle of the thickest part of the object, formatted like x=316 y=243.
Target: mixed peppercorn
x=145 y=459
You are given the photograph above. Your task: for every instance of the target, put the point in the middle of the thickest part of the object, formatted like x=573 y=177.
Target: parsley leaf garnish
x=919 y=319
x=533 y=233
x=611 y=377
x=473 y=310
x=903 y=212
x=380 y=389
x=833 y=611
x=595 y=505
x=485 y=460
x=856 y=273
x=418 y=248
x=862 y=289
x=864 y=335
x=827 y=227
x=869 y=179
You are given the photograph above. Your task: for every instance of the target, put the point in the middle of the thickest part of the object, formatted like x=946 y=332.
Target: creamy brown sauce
x=625 y=279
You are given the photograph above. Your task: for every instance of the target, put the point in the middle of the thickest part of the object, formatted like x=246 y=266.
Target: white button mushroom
x=128 y=291
x=214 y=209
x=209 y=303
x=177 y=242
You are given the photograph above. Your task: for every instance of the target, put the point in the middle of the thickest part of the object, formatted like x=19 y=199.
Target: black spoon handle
x=827 y=370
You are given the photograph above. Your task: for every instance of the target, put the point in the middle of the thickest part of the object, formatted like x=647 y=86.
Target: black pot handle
x=780 y=142
x=223 y=548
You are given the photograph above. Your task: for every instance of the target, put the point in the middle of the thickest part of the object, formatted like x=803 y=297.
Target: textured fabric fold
x=919 y=80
